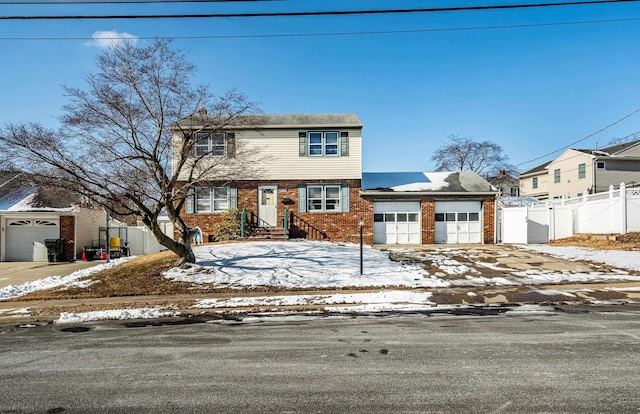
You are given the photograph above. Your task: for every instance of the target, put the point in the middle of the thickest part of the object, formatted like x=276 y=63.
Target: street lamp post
x=361 y=225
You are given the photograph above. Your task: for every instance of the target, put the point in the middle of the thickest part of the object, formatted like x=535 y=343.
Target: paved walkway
x=17 y=273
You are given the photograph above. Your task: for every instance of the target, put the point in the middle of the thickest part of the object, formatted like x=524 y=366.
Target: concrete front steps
x=266 y=234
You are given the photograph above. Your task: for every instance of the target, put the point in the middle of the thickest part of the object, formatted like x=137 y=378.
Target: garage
x=458 y=222
x=396 y=222
x=25 y=238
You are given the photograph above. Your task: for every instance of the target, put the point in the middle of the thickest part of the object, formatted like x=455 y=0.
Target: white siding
x=88 y=223
x=274 y=154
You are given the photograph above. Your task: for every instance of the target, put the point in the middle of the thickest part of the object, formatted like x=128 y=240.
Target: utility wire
x=89 y=2
x=366 y=33
x=319 y=13
x=581 y=139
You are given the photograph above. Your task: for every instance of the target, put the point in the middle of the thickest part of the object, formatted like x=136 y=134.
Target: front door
x=267 y=206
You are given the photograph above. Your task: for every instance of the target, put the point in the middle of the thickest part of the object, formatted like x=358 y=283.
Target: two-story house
x=307 y=165
x=307 y=169
x=584 y=171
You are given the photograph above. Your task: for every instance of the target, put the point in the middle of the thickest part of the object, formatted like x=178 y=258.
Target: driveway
x=17 y=273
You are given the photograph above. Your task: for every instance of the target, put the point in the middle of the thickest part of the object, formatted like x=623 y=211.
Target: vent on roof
x=202 y=110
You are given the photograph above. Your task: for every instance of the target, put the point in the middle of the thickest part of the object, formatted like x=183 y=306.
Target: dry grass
x=139 y=277
x=629 y=241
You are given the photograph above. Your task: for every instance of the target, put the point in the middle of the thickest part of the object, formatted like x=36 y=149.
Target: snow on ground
x=617 y=258
x=116 y=314
x=307 y=264
x=302 y=264
x=14 y=291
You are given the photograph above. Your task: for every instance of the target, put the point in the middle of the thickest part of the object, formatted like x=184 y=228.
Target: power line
x=318 y=13
x=89 y=2
x=581 y=139
x=363 y=33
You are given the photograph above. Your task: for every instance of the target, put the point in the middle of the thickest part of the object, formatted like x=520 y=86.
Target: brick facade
x=337 y=226
x=67 y=232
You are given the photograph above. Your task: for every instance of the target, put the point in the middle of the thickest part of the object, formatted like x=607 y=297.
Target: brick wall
x=336 y=226
x=312 y=225
x=67 y=232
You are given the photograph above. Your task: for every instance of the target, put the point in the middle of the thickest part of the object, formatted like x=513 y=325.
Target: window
x=324 y=143
x=331 y=198
x=579 y=194
x=556 y=176
x=535 y=182
x=323 y=198
x=211 y=200
x=600 y=165
x=515 y=191
x=582 y=171
x=215 y=144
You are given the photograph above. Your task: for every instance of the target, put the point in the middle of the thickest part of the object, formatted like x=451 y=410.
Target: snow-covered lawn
x=307 y=264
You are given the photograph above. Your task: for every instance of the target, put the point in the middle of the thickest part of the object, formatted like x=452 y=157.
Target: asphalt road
x=561 y=362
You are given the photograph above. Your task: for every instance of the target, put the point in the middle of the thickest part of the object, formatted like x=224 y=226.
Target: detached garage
x=426 y=208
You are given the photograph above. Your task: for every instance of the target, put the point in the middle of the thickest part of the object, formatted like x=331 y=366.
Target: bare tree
x=117 y=145
x=463 y=153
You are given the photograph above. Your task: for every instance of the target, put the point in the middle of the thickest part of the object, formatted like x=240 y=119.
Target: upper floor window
x=535 y=182
x=515 y=191
x=600 y=165
x=324 y=143
x=214 y=144
x=582 y=171
x=556 y=175
x=211 y=200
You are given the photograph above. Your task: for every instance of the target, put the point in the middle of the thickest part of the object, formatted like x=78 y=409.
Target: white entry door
x=268 y=206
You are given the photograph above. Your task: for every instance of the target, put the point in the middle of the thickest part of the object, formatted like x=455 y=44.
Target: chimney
x=202 y=110
x=502 y=173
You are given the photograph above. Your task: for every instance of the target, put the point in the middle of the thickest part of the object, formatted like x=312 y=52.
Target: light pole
x=361 y=225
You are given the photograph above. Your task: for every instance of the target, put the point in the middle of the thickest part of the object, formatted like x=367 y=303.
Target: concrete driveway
x=17 y=273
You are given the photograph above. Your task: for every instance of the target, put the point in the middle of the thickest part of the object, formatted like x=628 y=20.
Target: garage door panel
x=396 y=222
x=25 y=239
x=458 y=222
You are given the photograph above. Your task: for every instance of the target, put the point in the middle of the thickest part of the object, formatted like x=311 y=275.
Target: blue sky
x=531 y=90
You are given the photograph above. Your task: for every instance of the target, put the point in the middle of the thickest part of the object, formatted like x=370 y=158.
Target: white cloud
x=106 y=39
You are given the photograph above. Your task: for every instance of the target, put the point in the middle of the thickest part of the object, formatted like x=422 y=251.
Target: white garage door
x=458 y=222
x=25 y=239
x=396 y=222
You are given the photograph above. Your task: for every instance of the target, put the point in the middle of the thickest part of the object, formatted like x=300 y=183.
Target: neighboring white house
x=583 y=171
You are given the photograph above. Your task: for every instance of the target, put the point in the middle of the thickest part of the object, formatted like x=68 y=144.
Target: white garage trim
x=396 y=222
x=24 y=238
x=458 y=221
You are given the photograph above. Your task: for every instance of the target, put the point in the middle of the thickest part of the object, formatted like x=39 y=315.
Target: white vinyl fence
x=613 y=212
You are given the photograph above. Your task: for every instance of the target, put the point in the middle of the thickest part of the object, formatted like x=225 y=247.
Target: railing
x=285 y=222
x=300 y=229
x=243 y=222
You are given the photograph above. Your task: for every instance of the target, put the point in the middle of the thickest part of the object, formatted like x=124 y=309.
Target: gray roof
x=539 y=168
x=425 y=182
x=275 y=120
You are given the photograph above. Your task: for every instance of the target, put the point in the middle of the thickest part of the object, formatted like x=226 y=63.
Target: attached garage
x=396 y=222
x=25 y=238
x=458 y=221
x=429 y=207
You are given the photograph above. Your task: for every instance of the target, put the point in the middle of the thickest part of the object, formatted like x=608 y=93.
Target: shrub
x=229 y=226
